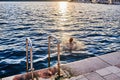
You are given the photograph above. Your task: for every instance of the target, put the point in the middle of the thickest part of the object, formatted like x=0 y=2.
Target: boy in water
x=71 y=45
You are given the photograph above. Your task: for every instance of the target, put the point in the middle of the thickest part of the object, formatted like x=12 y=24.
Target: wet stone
x=118 y=74
x=103 y=72
x=112 y=77
x=85 y=66
x=83 y=79
x=93 y=76
x=112 y=59
x=113 y=69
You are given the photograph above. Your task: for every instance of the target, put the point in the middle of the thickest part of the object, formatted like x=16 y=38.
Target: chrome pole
x=31 y=63
x=29 y=43
x=49 y=51
x=58 y=47
x=58 y=55
x=26 y=55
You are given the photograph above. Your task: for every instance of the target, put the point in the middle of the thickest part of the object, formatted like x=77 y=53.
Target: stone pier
x=105 y=67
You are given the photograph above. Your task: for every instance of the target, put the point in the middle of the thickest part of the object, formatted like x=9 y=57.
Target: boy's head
x=70 y=40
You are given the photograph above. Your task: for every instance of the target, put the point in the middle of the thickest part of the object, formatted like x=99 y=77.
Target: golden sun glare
x=63 y=7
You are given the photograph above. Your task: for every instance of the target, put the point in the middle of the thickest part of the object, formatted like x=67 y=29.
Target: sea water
x=96 y=27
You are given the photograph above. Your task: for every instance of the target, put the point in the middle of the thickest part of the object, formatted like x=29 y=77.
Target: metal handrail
x=29 y=43
x=58 y=49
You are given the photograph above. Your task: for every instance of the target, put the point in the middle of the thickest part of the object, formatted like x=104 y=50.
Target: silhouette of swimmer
x=71 y=45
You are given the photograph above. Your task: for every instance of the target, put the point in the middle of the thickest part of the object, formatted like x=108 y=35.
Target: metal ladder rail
x=29 y=43
x=58 y=55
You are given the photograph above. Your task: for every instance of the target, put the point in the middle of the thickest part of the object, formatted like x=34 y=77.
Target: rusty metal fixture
x=29 y=43
x=58 y=49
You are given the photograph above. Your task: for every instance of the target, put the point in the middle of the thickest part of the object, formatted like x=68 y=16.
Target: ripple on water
x=97 y=28
x=22 y=28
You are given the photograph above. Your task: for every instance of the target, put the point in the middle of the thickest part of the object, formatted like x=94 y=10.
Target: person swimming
x=71 y=45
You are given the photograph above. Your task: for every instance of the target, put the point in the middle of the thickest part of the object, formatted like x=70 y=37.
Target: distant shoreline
x=34 y=0
x=100 y=2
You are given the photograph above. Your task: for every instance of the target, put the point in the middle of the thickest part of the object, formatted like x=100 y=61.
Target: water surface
x=97 y=26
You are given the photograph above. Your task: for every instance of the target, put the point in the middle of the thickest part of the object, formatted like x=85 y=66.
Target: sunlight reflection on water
x=63 y=7
x=95 y=26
